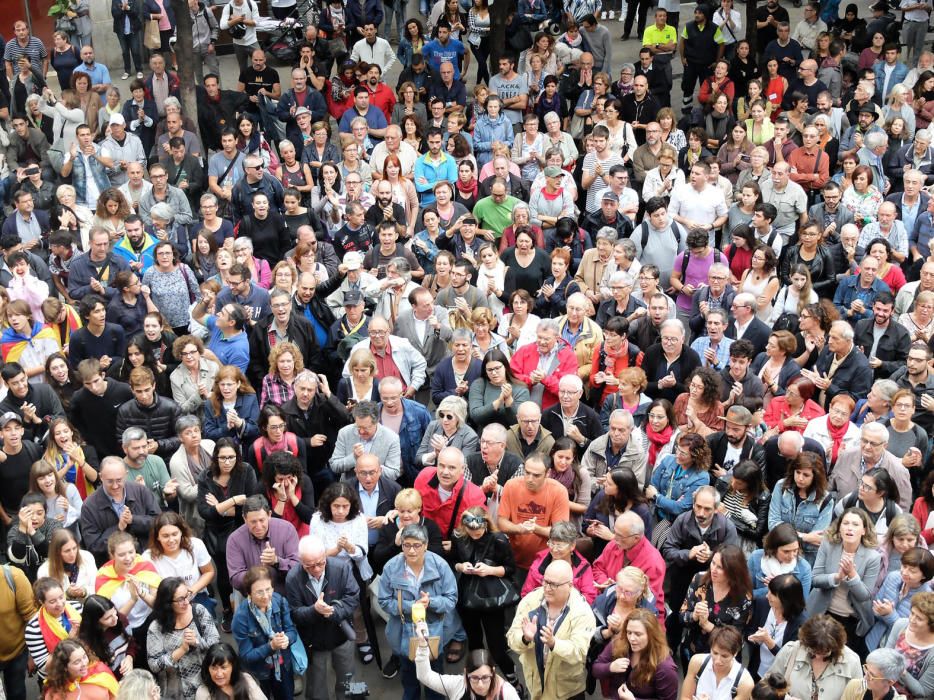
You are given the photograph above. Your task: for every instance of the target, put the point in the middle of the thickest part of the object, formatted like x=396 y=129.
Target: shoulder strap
x=677 y=229
x=685 y=260
x=184 y=270
x=292 y=443
x=257 y=451
x=230 y=165
x=739 y=676
x=716 y=255
x=771 y=239
x=10 y=581
x=645 y=234
x=457 y=503
x=700 y=671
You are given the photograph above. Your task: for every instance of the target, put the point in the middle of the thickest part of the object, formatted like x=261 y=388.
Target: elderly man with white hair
x=623 y=446
x=540 y=365
x=570 y=416
x=887 y=227
x=393 y=144
x=871 y=453
x=875 y=144
x=745 y=325
x=323 y=596
x=668 y=363
x=838 y=369
x=580 y=332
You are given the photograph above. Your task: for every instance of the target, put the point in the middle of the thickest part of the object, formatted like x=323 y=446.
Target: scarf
x=836 y=435
x=98 y=674
x=264 y=620
x=469 y=189
x=565 y=478
x=14 y=344
x=657 y=440
x=772 y=567
x=52 y=629
x=85 y=488
x=196 y=467
x=108 y=580
x=289 y=513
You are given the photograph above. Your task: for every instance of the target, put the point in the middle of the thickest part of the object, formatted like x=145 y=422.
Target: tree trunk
x=752 y=34
x=499 y=16
x=183 y=53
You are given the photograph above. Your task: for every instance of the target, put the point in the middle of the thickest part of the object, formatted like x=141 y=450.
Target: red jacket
x=382 y=98
x=426 y=483
x=583 y=575
x=525 y=361
x=643 y=556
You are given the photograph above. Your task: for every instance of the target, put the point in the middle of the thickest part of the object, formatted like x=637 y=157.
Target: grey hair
x=366 y=409
x=630 y=66
x=712 y=490
x=548 y=324
x=673 y=323
x=461 y=334
x=311 y=544
x=625 y=415
x=823 y=118
x=388 y=382
x=880 y=430
x=885 y=388
x=890 y=663
x=173 y=103
x=277 y=292
x=132 y=433
x=207 y=197
x=629 y=248
x=564 y=531
x=519 y=206
x=633 y=521
x=306 y=375
x=403 y=268
x=572 y=378
x=135 y=684
x=243 y=244
x=456 y=405
x=607 y=233
x=721 y=313
x=876 y=139
x=184 y=422
x=496 y=431
x=719 y=267
x=844 y=329
x=551 y=117
x=923 y=134
x=414 y=532
x=162 y=210
x=621 y=277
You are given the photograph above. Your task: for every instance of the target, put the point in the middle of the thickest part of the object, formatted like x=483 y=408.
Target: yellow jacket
x=590 y=336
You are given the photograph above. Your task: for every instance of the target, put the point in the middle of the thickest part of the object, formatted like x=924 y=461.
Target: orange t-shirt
x=548 y=506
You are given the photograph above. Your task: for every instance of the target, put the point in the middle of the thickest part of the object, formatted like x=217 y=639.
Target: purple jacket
x=243 y=552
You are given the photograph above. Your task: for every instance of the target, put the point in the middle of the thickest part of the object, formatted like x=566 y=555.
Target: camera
x=354 y=690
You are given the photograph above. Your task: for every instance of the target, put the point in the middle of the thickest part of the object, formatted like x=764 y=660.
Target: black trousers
x=643 y=8
x=491 y=623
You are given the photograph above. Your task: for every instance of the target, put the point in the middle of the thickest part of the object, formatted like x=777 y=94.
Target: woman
x=811 y=253
x=671 y=134
x=222 y=678
x=621 y=492
x=304 y=260
x=623 y=385
x=844 y=177
x=622 y=139
x=467 y=187
x=847 y=552
x=260 y=270
x=129 y=581
x=521 y=217
x=562 y=547
x=527 y=265
x=920 y=320
x=407 y=510
x=877 y=495
x=495 y=396
x=481 y=555
x=480 y=679
x=491 y=279
x=719 y=597
x=893 y=600
x=403 y=191
x=898 y=106
x=413 y=132
x=362 y=384
x=88 y=101
x=52 y=623
x=814 y=323
x=130 y=305
x=409 y=104
x=707 y=674
x=173 y=286
x=745 y=501
x=449 y=429
x=637 y=664
x=777 y=617
x=863 y=197
x=104 y=633
x=274 y=436
x=174 y=551
x=675 y=480
x=71 y=566
x=289 y=490
x=780 y=554
x=425 y=242
x=913 y=638
x=320 y=151
x=352 y=163
x=232 y=410
x=285 y=362
x=908 y=441
x=180 y=633
x=695 y=151
x=793 y=297
x=71 y=675
x=890 y=273
x=518 y=327
x=139 y=355
x=734 y=153
x=761 y=281
x=27 y=341
x=294 y=175
x=66 y=115
x=491 y=126
x=746 y=98
x=802 y=499
x=661 y=429
x=222 y=491
x=266 y=636
x=566 y=470
x=220 y=229
x=61 y=378
x=718 y=123
x=922 y=508
x=456 y=372
x=796 y=409
x=775 y=86
x=796 y=116
x=698 y=410
x=76 y=462
x=819 y=663
x=528 y=148
x=194 y=378
x=826 y=141
x=484 y=339
x=882 y=671
x=744 y=70
x=551 y=301
x=759 y=127
x=903 y=534
x=190 y=461
x=62 y=500
x=111 y=212
x=66 y=57
x=251 y=141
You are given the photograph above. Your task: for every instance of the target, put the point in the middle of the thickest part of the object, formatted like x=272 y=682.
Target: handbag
x=152 y=39
x=487 y=593
x=299 y=657
x=66 y=25
x=434 y=641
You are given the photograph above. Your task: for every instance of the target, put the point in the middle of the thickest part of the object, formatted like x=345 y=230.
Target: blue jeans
x=411 y=688
x=14 y=676
x=396 y=7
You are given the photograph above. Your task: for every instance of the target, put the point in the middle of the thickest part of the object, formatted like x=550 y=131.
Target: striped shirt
x=34 y=48
x=36 y=644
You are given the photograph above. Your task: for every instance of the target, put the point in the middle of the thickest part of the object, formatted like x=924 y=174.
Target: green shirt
x=495 y=217
x=653 y=35
x=155 y=475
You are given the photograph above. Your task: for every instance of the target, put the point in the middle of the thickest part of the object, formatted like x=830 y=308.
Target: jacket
x=241 y=200
x=846 y=474
x=891 y=590
x=853 y=375
x=756 y=333
x=119 y=15
x=654 y=362
x=415 y=420
x=516 y=444
x=892 y=348
x=313 y=101
x=563 y=672
x=464 y=439
x=35 y=140
x=325 y=416
x=586 y=419
x=849 y=290
x=923 y=686
x=99 y=521
x=833 y=680
x=385 y=444
x=299 y=331
x=634 y=457
x=899 y=72
x=486 y=131
x=582 y=573
x=698 y=322
x=759 y=509
x=124 y=249
x=718 y=444
x=859 y=588
x=644 y=557
x=807 y=516
x=204 y=29
x=243 y=552
x=675 y=495
x=802 y=572
x=684 y=534
x=760 y=613
x=821 y=267
x=789 y=371
x=590 y=337
x=188 y=485
x=158 y=420
x=215 y=426
x=339 y=590
x=525 y=361
x=171 y=76
x=435 y=346
x=443 y=513
x=355 y=16
x=437 y=581
x=412 y=365
x=253 y=643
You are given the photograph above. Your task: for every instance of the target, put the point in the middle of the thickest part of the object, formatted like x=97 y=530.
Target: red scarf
x=469 y=190
x=657 y=440
x=836 y=434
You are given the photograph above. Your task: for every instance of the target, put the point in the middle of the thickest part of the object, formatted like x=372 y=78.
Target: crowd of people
x=549 y=380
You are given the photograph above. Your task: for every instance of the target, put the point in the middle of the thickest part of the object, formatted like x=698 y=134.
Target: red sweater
x=426 y=483
x=643 y=556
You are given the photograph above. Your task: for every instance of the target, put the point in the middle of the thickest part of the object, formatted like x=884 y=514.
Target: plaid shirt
x=275 y=390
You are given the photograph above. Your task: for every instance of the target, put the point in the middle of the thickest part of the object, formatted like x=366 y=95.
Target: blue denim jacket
x=807 y=516
x=675 y=495
x=254 y=644
x=802 y=571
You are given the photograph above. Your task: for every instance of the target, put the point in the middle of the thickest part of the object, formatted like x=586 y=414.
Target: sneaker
x=391 y=667
x=226 y=622
x=139 y=75
x=603 y=15
x=124 y=76
x=365 y=653
x=612 y=15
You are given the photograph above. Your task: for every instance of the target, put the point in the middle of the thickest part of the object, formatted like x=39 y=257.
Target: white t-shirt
x=184 y=565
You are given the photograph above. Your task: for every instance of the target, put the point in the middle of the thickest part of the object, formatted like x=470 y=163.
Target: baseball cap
x=302 y=110
x=553 y=171
x=117 y=118
x=611 y=196
x=739 y=415
x=352 y=297
x=353 y=260
x=10 y=416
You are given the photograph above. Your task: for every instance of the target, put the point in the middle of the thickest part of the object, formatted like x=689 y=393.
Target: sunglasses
x=473 y=522
x=447 y=416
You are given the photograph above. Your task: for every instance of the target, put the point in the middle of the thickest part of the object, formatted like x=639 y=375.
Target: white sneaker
x=124 y=76
x=612 y=15
x=603 y=15
x=139 y=75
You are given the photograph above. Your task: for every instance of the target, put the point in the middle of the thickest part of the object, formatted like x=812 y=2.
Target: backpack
x=645 y=234
x=686 y=259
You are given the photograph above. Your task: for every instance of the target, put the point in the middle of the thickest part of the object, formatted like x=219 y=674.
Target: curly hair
x=712 y=383
x=822 y=634
x=337 y=490
x=282 y=348
x=56 y=679
x=698 y=449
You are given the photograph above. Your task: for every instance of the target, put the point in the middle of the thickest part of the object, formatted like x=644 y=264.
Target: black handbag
x=487 y=592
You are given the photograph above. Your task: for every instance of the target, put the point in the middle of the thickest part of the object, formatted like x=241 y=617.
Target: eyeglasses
x=189 y=353
x=491 y=442
x=485 y=678
x=186 y=599
x=379 y=334
x=254 y=167
x=446 y=416
x=871 y=677
x=863 y=486
x=412 y=546
x=870 y=443
x=552 y=585
x=275 y=426
x=227 y=458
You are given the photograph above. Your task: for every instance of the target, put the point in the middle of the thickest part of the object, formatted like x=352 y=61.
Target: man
x=62 y=251
x=905 y=301
x=917 y=155
x=871 y=454
x=124 y=148
x=310 y=301
x=647 y=155
x=493 y=466
x=601 y=45
x=608 y=216
x=528 y=507
x=659 y=239
x=17 y=608
x=227 y=340
x=693 y=538
x=596 y=167
x=699 y=49
x=787 y=196
x=809 y=28
x=839 y=123
x=640 y=108
x=395 y=357
x=87 y=163
x=697 y=204
x=540 y=365
x=645 y=331
x=284 y=325
x=377 y=494
x=381 y=95
x=808 y=165
x=204 y=31
x=255 y=179
x=100 y=76
x=24 y=44
x=260 y=82
x=94 y=407
x=655 y=72
x=917 y=376
x=148 y=469
x=356 y=235
x=225 y=168
x=28 y=146
x=452 y=92
x=737 y=380
x=184 y=169
x=875 y=146
x=512 y=89
x=217 y=110
x=239 y=18
x=854 y=137
x=623 y=446
x=808 y=84
x=120 y=504
x=446 y=492
x=373 y=49
x=444 y=49
x=782 y=450
x=366 y=436
x=785 y=50
x=839 y=369
x=433 y=167
x=393 y=145
x=780 y=146
x=712 y=347
x=261 y=541
x=94 y=272
x=716 y=295
x=828 y=212
x=153 y=413
x=890 y=71
x=161 y=84
x=618 y=184
x=136 y=247
x=910 y=204
x=162 y=191
x=533 y=635
x=884 y=341
x=734 y=444
x=887 y=227
x=17 y=457
x=630 y=547
x=299 y=96
x=856 y=293
x=425 y=326
x=240 y=290
x=408 y=419
x=763 y=218
x=527 y=436
x=375 y=118
x=920 y=240
x=31 y=225
x=745 y=324
x=385 y=216
x=323 y=596
x=461 y=298
x=691 y=269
